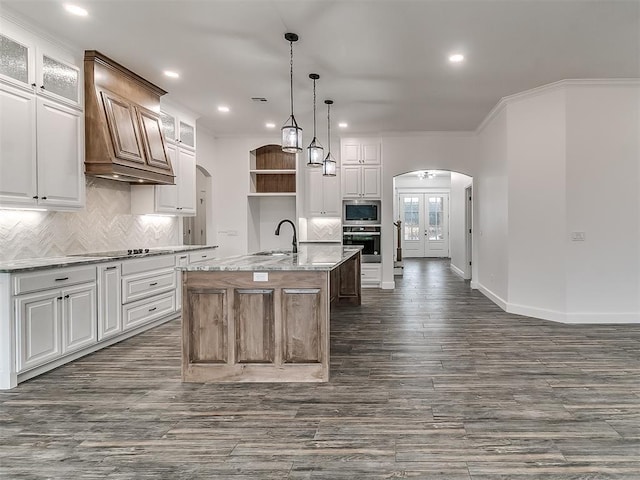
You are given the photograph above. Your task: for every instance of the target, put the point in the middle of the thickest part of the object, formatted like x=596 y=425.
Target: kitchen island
x=264 y=317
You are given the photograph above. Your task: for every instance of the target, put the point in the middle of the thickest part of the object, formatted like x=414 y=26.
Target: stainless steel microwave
x=361 y=212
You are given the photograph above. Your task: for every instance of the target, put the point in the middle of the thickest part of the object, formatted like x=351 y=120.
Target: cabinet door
x=39 y=333
x=182 y=260
x=351 y=179
x=153 y=140
x=370 y=182
x=109 y=301
x=370 y=153
x=187 y=134
x=17 y=58
x=57 y=77
x=80 y=317
x=123 y=128
x=186 y=182
x=168 y=127
x=331 y=196
x=314 y=192
x=350 y=152
x=17 y=147
x=166 y=196
x=60 y=155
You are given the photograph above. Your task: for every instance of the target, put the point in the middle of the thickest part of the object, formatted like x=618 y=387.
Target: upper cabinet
x=38 y=66
x=178 y=128
x=178 y=199
x=361 y=168
x=124 y=139
x=360 y=151
x=41 y=124
x=322 y=194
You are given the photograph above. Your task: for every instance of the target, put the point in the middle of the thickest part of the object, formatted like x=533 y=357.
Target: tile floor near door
x=429 y=381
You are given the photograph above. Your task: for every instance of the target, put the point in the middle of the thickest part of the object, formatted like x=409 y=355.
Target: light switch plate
x=260 y=276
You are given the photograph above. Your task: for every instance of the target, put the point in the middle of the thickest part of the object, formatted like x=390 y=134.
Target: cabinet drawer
x=370 y=273
x=135 y=287
x=147 y=264
x=47 y=279
x=149 y=309
x=201 y=256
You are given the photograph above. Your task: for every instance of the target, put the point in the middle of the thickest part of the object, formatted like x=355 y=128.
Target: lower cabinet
x=109 y=301
x=54 y=323
x=371 y=275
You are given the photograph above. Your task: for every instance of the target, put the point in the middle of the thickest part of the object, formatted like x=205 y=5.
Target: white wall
x=408 y=153
x=536 y=199
x=457 y=219
x=230 y=189
x=603 y=200
x=490 y=211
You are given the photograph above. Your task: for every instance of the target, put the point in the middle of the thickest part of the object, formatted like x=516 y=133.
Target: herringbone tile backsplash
x=106 y=223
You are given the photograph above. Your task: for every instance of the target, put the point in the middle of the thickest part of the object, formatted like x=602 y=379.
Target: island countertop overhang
x=308 y=258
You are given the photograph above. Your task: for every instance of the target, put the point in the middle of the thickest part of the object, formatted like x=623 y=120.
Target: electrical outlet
x=577 y=236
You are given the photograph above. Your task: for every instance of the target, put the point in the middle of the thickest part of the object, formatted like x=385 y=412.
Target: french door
x=425 y=224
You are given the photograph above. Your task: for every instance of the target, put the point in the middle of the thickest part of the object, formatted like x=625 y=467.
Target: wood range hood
x=123 y=130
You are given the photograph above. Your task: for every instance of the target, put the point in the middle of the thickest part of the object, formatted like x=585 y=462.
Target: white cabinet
x=361 y=181
x=178 y=127
x=360 y=151
x=52 y=322
x=148 y=290
x=182 y=260
x=109 y=301
x=322 y=194
x=36 y=65
x=178 y=199
x=370 y=275
x=361 y=170
x=41 y=126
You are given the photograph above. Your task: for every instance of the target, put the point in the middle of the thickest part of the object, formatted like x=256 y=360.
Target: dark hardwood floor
x=430 y=381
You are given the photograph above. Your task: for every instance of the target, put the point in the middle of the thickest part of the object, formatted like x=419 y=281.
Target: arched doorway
x=194 y=230
x=433 y=208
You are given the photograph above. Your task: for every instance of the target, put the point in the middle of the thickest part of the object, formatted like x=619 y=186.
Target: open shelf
x=272 y=171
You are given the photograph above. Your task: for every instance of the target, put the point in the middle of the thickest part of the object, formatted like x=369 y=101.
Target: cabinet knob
x=35 y=196
x=44 y=198
x=66 y=296
x=59 y=298
x=34 y=85
x=42 y=87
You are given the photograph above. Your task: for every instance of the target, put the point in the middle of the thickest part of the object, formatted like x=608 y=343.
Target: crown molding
x=552 y=87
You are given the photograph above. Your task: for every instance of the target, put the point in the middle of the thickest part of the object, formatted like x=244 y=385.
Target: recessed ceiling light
x=343 y=124
x=456 y=58
x=171 y=74
x=75 y=10
x=270 y=125
x=223 y=109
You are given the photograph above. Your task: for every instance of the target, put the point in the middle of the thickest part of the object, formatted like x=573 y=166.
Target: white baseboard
x=388 y=285
x=603 y=318
x=474 y=285
x=457 y=271
x=493 y=297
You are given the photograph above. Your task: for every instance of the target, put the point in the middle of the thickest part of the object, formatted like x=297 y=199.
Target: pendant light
x=315 y=152
x=329 y=164
x=291 y=132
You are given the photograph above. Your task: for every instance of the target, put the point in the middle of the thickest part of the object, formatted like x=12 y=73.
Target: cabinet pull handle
x=205 y=256
x=59 y=298
x=152 y=309
x=35 y=196
x=66 y=296
x=34 y=85
x=183 y=256
x=44 y=198
x=42 y=87
x=153 y=284
x=61 y=279
x=111 y=268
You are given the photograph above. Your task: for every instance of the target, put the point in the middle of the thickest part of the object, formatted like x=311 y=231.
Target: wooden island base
x=262 y=326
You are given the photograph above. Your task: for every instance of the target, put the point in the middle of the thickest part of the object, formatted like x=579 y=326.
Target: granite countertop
x=28 y=264
x=309 y=257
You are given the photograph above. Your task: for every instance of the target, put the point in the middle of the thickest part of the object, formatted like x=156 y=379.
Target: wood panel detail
x=123 y=127
x=208 y=330
x=301 y=332
x=271 y=157
x=254 y=322
x=276 y=183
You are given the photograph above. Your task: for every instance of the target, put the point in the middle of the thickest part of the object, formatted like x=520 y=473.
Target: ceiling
x=383 y=62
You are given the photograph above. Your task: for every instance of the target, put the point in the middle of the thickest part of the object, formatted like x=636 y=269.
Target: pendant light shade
x=315 y=152
x=329 y=164
x=291 y=132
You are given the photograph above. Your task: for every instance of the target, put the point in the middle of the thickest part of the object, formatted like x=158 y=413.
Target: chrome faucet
x=295 y=238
